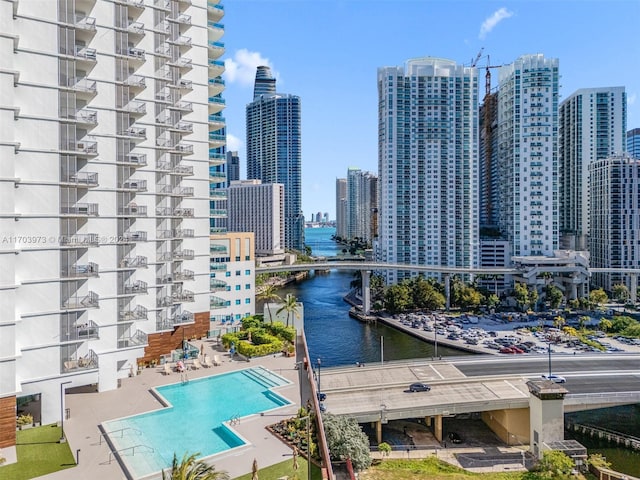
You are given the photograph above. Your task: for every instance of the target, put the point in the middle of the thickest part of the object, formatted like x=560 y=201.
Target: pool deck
x=88 y=409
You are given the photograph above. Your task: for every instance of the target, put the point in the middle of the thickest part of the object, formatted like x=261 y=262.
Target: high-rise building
x=528 y=155
x=341 y=207
x=489 y=161
x=103 y=218
x=274 y=149
x=592 y=126
x=614 y=183
x=233 y=167
x=427 y=164
x=362 y=201
x=259 y=208
x=232 y=282
x=633 y=142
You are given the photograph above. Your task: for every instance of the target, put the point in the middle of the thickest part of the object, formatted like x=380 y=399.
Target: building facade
x=614 y=242
x=528 y=155
x=258 y=208
x=274 y=149
x=232 y=279
x=633 y=142
x=103 y=207
x=592 y=126
x=233 y=167
x=341 y=207
x=362 y=202
x=427 y=164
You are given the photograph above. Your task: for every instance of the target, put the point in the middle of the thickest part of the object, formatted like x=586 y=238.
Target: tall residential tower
x=274 y=149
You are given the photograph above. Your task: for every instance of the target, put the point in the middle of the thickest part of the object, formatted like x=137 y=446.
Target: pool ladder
x=235 y=419
x=133 y=450
x=120 y=431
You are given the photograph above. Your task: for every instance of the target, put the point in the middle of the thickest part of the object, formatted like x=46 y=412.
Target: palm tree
x=290 y=306
x=191 y=469
x=268 y=294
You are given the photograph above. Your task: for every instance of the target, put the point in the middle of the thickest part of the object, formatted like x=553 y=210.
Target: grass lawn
x=285 y=468
x=39 y=453
x=433 y=469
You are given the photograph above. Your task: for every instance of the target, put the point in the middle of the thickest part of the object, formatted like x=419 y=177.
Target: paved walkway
x=89 y=408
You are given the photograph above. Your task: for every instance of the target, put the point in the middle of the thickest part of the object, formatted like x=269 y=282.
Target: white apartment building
x=528 y=155
x=258 y=207
x=362 y=203
x=428 y=165
x=593 y=126
x=614 y=240
x=104 y=188
x=232 y=281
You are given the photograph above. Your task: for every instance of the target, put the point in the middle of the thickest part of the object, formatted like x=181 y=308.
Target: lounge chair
x=167 y=369
x=207 y=362
x=216 y=360
x=196 y=365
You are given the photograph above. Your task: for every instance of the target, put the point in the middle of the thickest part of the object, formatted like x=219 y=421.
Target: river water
x=337 y=339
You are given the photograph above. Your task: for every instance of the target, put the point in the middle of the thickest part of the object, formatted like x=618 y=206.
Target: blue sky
x=328 y=53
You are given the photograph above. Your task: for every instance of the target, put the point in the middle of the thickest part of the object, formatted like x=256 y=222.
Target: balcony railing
x=217 y=285
x=88 y=270
x=138 y=339
x=184 y=148
x=164 y=302
x=214 y=267
x=138 y=261
x=183 y=212
x=85 y=23
x=135 y=132
x=80 y=240
x=163 y=323
x=184 y=106
x=182 y=170
x=133 y=210
x=216 y=302
x=138 y=313
x=185 y=84
x=182 y=18
x=87 y=115
x=87 y=362
x=182 y=317
x=164 y=279
x=184 y=126
x=164 y=211
x=136 y=28
x=183 y=255
x=138 y=236
x=135 y=107
x=137 y=185
x=184 y=275
x=79 y=332
x=165 y=257
x=80 y=209
x=184 y=233
x=181 y=62
x=183 y=296
x=88 y=301
x=136 y=53
x=183 y=191
x=82 y=84
x=182 y=40
x=136 y=81
x=138 y=287
x=89 y=179
x=134 y=159
x=85 y=52
x=88 y=146
x=164 y=234
x=218 y=249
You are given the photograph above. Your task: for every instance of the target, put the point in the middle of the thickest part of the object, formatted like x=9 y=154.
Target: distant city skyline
x=339 y=116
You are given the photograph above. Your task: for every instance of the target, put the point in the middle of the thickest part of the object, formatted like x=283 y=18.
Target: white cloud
x=233 y=142
x=495 y=18
x=242 y=67
x=631 y=99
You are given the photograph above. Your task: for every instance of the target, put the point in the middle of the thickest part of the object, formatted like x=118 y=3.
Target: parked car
x=419 y=387
x=555 y=378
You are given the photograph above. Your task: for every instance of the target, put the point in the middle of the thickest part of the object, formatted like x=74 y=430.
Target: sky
x=328 y=52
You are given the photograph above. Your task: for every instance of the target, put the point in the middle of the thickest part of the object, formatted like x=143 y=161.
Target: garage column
x=437 y=427
x=379 y=431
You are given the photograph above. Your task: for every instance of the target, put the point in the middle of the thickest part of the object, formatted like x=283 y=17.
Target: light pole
x=62 y=389
x=308 y=422
x=435 y=329
x=549 y=358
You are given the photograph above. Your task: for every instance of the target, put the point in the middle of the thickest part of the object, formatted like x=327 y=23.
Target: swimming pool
x=193 y=420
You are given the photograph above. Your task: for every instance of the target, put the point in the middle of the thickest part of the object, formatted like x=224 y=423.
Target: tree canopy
x=346 y=439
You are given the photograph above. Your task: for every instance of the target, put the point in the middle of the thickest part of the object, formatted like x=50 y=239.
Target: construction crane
x=487 y=76
x=475 y=61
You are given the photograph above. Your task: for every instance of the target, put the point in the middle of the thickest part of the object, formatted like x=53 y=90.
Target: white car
x=555 y=378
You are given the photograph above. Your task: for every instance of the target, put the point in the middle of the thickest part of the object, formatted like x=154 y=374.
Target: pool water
x=193 y=421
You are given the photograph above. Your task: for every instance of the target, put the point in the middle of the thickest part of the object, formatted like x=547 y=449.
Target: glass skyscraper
x=274 y=149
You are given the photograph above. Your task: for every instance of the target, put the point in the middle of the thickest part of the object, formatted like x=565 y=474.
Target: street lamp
x=308 y=422
x=62 y=390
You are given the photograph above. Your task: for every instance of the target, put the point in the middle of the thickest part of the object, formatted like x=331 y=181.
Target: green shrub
x=26 y=419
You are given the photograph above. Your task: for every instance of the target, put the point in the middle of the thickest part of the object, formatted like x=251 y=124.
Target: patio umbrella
x=254 y=470
x=202 y=349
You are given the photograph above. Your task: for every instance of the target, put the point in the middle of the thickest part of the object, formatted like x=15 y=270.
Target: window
x=237 y=287
x=247 y=272
x=247 y=301
x=237 y=302
x=227 y=274
x=237 y=273
x=247 y=286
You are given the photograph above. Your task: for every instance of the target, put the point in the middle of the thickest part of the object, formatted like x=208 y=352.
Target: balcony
x=82 y=52
x=87 y=362
x=86 y=116
x=216 y=68
x=81 y=302
x=216 y=302
x=130 y=315
x=183 y=255
x=183 y=296
x=218 y=249
x=181 y=41
x=133 y=262
x=182 y=317
x=85 y=147
x=79 y=332
x=216 y=49
x=132 y=3
x=164 y=211
x=183 y=149
x=79 y=240
x=183 y=191
x=137 y=133
x=217 y=139
x=136 y=82
x=184 y=233
x=135 y=108
x=133 y=210
x=135 y=28
x=183 y=275
x=138 y=339
x=181 y=18
x=182 y=63
x=81 y=179
x=182 y=126
x=217 y=286
x=163 y=302
x=217 y=177
x=216 y=158
x=162 y=5
x=163 y=50
x=86 y=23
x=134 y=185
x=165 y=257
x=83 y=87
x=80 y=271
x=217 y=194
x=182 y=170
x=135 y=288
x=136 y=54
x=133 y=160
x=79 y=209
x=216 y=121
x=183 y=212
x=184 y=85
x=218 y=212
x=182 y=106
x=216 y=85
x=217 y=267
x=214 y=32
x=164 y=279
x=132 y=237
